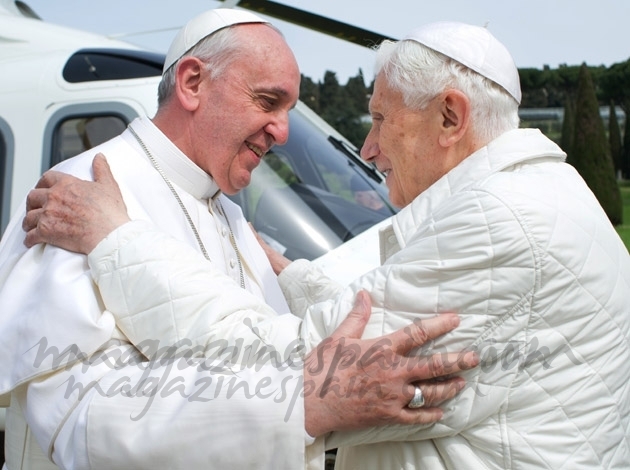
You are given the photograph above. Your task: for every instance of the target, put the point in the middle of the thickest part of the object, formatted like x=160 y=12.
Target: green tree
x=614 y=138
x=356 y=128
x=357 y=93
x=331 y=98
x=568 y=126
x=343 y=107
x=589 y=151
x=615 y=84
x=309 y=93
x=533 y=88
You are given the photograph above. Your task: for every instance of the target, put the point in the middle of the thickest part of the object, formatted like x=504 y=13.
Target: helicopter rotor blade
x=322 y=24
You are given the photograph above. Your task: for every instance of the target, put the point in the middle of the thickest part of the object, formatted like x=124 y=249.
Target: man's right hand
x=74 y=214
x=350 y=383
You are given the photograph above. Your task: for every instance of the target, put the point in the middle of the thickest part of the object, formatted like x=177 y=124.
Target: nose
x=278 y=128
x=370 y=149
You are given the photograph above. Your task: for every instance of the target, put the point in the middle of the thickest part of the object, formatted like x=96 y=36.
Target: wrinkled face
x=244 y=111
x=403 y=143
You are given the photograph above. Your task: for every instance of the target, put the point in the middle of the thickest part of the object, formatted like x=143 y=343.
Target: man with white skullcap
x=94 y=386
x=496 y=227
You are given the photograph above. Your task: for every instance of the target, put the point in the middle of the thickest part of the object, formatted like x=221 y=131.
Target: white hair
x=420 y=74
x=217 y=51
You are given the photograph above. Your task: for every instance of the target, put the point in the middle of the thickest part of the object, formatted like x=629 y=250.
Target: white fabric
x=49 y=301
x=473 y=46
x=204 y=25
x=514 y=241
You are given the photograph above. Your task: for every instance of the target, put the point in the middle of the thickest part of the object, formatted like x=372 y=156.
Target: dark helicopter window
x=308 y=196
x=7 y=154
x=89 y=65
x=78 y=134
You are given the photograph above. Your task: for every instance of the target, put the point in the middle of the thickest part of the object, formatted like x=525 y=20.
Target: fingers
x=435 y=393
x=36 y=198
x=48 y=179
x=72 y=213
x=419 y=416
x=440 y=365
x=29 y=225
x=30 y=219
x=354 y=324
x=101 y=170
x=422 y=331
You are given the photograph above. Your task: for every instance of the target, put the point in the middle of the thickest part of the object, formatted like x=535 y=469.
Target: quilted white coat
x=514 y=241
x=49 y=302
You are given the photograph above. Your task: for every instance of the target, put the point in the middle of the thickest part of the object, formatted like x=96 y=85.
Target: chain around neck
x=185 y=211
x=173 y=191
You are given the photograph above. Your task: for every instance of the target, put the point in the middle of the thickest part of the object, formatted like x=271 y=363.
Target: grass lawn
x=624 y=229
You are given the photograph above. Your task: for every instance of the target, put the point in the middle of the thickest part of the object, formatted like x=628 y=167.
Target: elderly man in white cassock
x=86 y=394
x=495 y=225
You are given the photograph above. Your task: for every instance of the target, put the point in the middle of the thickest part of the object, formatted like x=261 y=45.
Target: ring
x=418 y=399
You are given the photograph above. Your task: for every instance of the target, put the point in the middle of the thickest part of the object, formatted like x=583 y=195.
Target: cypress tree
x=625 y=150
x=590 y=153
x=568 y=125
x=615 y=84
x=331 y=98
x=357 y=92
x=614 y=137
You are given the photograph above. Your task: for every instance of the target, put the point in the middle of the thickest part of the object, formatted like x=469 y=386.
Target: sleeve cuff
x=103 y=257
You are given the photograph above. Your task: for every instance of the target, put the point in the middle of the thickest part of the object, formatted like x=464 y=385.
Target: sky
x=537 y=32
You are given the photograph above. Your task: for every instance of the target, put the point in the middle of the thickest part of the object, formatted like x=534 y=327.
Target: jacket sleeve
x=472 y=257
x=130 y=413
x=163 y=294
x=475 y=257
x=303 y=285
x=92 y=402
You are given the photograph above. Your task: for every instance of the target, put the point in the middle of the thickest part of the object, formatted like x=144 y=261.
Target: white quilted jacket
x=514 y=241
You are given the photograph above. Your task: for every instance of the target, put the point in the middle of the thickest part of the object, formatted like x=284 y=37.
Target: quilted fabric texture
x=514 y=241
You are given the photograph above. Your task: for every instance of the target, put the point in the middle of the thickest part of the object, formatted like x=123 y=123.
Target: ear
x=455 y=108
x=189 y=80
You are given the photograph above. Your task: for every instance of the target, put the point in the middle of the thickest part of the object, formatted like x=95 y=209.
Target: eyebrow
x=274 y=90
x=281 y=92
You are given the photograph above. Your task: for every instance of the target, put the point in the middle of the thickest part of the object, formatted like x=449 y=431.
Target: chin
x=396 y=202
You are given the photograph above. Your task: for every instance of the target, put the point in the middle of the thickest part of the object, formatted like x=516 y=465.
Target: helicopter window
x=7 y=154
x=308 y=196
x=77 y=134
x=89 y=65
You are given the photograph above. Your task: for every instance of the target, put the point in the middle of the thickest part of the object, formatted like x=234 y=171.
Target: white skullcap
x=475 y=47
x=204 y=25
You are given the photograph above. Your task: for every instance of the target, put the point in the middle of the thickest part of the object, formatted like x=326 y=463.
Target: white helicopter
x=63 y=91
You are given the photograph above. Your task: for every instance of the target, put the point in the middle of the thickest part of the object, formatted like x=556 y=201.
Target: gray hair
x=217 y=51
x=420 y=74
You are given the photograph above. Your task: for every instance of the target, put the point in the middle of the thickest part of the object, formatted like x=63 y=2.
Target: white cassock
x=115 y=412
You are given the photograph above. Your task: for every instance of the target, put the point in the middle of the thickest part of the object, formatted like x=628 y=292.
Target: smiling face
x=243 y=112
x=403 y=143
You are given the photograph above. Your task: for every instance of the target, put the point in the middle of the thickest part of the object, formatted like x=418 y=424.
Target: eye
x=377 y=119
x=376 y=116
x=268 y=102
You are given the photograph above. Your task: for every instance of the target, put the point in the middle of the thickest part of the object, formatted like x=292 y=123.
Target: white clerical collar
x=174 y=163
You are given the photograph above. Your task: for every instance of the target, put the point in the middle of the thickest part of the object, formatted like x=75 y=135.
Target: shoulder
x=81 y=164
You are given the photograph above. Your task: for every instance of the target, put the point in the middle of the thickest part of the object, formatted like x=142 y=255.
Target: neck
x=174 y=126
